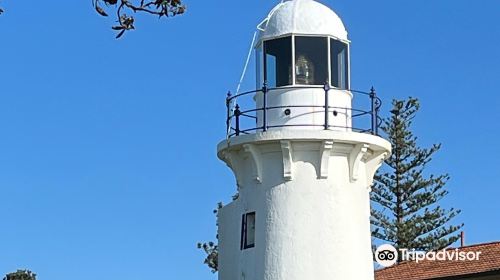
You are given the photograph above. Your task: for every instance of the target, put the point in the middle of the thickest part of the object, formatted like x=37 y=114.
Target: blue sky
x=107 y=149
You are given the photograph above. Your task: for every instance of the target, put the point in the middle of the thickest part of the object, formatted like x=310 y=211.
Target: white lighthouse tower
x=303 y=156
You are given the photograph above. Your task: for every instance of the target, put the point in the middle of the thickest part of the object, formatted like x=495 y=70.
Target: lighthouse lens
x=304 y=71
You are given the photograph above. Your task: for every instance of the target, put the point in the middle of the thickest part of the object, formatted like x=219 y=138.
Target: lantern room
x=303 y=46
x=302 y=73
x=302 y=42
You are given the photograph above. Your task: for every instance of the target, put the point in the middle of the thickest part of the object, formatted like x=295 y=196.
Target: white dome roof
x=303 y=17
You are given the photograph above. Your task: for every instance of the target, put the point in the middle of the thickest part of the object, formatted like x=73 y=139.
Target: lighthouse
x=304 y=148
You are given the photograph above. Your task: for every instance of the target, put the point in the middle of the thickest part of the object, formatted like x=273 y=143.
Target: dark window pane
x=340 y=68
x=311 y=60
x=248 y=231
x=278 y=62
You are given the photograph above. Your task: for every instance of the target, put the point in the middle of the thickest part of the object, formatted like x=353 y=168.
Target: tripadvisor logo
x=386 y=255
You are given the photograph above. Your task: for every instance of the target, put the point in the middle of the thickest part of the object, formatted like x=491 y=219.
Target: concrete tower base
x=310 y=194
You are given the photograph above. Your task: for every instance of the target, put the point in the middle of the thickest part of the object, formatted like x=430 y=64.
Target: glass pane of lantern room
x=311 y=60
x=278 y=62
x=340 y=68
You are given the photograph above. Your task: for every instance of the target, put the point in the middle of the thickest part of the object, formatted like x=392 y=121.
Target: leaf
x=120 y=34
x=111 y=2
x=1 y=11
x=118 y=27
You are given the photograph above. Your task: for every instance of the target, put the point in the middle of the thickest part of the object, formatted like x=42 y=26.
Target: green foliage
x=20 y=275
x=407 y=214
x=211 y=249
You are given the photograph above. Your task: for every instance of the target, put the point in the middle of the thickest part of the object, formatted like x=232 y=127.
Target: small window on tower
x=248 y=231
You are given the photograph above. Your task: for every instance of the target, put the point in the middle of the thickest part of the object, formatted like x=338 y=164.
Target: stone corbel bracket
x=231 y=162
x=355 y=158
x=325 y=153
x=373 y=164
x=286 y=150
x=254 y=153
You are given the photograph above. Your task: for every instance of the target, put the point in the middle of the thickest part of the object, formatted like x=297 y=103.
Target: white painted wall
x=340 y=99
x=312 y=214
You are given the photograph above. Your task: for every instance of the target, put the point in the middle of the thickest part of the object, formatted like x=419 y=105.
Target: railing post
x=264 y=107
x=374 y=109
x=228 y=113
x=237 y=114
x=326 y=87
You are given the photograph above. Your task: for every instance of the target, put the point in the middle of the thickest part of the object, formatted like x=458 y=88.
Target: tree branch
x=167 y=8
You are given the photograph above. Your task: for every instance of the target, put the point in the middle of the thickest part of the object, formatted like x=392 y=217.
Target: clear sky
x=108 y=167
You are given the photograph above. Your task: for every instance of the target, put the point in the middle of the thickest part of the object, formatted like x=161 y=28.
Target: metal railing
x=237 y=116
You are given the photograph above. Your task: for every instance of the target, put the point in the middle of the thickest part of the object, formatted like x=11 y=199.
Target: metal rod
x=228 y=111
x=237 y=114
x=373 y=97
x=264 y=107
x=327 y=89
